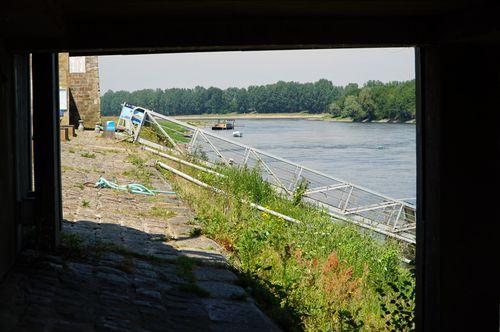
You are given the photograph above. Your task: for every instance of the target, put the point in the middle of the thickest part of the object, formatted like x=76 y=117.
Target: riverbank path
x=127 y=262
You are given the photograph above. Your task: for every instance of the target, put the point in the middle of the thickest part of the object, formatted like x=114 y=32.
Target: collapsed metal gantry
x=341 y=199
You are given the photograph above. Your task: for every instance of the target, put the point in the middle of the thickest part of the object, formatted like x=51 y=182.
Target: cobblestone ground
x=119 y=268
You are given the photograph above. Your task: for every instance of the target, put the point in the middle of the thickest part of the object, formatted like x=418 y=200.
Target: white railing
x=343 y=200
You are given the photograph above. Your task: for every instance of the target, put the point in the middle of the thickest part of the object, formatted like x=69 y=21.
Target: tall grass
x=324 y=275
x=175 y=131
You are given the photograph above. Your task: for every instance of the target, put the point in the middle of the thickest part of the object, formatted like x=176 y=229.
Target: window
x=77 y=64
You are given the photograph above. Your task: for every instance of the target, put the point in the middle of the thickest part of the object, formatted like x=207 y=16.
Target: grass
x=158 y=212
x=318 y=275
x=160 y=238
x=97 y=170
x=175 y=131
x=195 y=232
x=73 y=246
x=185 y=266
x=65 y=168
x=88 y=155
x=140 y=172
x=193 y=289
x=161 y=212
x=135 y=160
x=153 y=199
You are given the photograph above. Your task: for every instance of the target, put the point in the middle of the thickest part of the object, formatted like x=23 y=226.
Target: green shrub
x=325 y=274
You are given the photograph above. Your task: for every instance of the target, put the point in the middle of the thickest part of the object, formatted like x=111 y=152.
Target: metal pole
x=204 y=185
x=214 y=148
x=268 y=169
x=193 y=141
x=170 y=139
x=347 y=199
x=181 y=161
x=397 y=218
x=139 y=127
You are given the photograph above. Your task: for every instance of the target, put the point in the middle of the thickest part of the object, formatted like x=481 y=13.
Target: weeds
x=85 y=203
x=397 y=303
x=65 y=168
x=300 y=191
x=319 y=275
x=195 y=232
x=135 y=160
x=72 y=245
x=140 y=172
x=160 y=238
x=161 y=212
x=88 y=155
x=146 y=257
x=158 y=212
x=98 y=170
x=185 y=266
x=176 y=132
x=153 y=199
x=193 y=289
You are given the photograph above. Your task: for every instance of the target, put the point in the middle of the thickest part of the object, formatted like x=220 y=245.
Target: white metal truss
x=343 y=200
x=325 y=188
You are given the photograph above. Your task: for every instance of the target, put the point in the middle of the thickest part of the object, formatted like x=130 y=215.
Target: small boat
x=223 y=125
x=237 y=134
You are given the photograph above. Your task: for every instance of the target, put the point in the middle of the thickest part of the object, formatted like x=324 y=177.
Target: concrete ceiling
x=155 y=25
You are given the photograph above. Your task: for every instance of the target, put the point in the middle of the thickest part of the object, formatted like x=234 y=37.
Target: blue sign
x=110 y=126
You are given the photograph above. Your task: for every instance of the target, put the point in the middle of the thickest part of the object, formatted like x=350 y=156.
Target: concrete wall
x=84 y=93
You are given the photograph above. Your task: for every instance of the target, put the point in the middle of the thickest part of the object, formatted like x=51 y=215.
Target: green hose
x=133 y=188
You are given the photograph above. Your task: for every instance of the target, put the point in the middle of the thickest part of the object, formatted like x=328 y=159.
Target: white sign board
x=63 y=99
x=77 y=64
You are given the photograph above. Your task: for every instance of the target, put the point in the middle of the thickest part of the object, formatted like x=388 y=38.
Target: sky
x=245 y=68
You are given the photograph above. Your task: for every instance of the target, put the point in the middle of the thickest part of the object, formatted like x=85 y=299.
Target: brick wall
x=63 y=81
x=84 y=94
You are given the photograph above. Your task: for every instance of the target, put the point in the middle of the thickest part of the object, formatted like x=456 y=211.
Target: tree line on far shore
x=394 y=101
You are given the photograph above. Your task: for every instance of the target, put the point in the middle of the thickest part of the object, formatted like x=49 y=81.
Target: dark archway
x=458 y=79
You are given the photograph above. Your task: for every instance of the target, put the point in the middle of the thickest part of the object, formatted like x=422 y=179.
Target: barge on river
x=223 y=125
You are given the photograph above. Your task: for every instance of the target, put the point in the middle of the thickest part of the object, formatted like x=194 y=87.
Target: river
x=378 y=156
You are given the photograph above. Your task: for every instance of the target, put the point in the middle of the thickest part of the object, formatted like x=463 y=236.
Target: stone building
x=79 y=94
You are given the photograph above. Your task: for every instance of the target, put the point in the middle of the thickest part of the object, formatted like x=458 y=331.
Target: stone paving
x=119 y=267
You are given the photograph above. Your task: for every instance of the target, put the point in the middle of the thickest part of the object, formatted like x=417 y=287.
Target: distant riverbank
x=307 y=116
x=207 y=119
x=251 y=116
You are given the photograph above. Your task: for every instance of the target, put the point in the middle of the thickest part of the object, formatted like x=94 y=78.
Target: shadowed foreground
x=127 y=262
